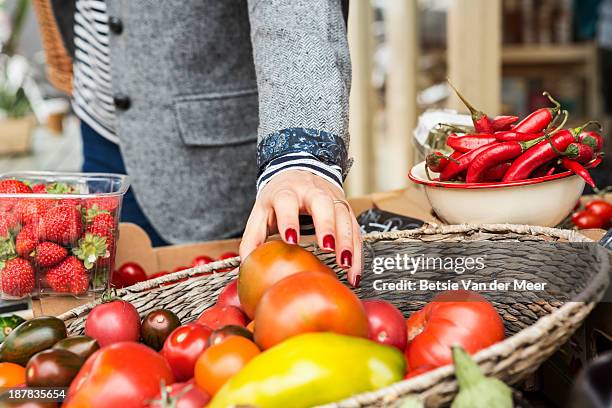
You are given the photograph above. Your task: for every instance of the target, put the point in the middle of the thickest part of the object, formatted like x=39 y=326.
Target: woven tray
x=535 y=328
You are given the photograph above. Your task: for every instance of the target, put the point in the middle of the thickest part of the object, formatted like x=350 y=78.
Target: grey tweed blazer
x=210 y=91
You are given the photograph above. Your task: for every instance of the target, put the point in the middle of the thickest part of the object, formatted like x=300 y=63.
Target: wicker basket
x=58 y=61
x=535 y=328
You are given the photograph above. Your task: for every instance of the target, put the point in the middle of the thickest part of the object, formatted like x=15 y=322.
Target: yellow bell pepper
x=312 y=369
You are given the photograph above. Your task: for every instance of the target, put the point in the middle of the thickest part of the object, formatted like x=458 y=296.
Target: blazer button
x=115 y=25
x=122 y=102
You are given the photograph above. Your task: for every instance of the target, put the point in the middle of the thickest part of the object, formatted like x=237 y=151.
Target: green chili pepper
x=7 y=324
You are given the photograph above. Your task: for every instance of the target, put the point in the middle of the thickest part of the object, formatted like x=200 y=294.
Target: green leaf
x=476 y=390
x=91 y=248
x=59 y=188
x=7 y=249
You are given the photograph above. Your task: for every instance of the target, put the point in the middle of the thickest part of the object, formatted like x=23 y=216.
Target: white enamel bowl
x=543 y=201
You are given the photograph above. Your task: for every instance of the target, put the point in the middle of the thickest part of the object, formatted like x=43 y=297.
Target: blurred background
x=500 y=53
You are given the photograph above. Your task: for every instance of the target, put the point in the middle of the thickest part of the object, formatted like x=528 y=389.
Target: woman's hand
x=295 y=192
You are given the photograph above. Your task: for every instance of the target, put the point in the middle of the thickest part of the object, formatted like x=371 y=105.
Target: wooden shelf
x=549 y=54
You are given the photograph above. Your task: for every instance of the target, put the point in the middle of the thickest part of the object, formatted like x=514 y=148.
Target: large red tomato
x=452 y=318
x=219 y=316
x=183 y=347
x=125 y=375
x=308 y=302
x=270 y=263
x=386 y=323
x=113 y=322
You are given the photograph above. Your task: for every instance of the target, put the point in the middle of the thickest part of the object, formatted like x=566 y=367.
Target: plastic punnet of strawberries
x=57 y=244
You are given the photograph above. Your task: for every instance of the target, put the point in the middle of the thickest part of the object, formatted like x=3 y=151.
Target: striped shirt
x=93 y=96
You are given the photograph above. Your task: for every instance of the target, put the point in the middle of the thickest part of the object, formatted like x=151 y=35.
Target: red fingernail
x=346 y=259
x=329 y=243
x=291 y=236
x=357 y=280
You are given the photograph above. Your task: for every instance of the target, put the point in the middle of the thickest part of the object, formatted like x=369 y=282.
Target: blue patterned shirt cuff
x=300 y=161
x=326 y=147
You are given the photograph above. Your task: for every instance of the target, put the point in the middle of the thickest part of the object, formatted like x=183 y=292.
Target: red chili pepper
x=453 y=169
x=496 y=173
x=437 y=161
x=592 y=139
x=543 y=152
x=538 y=120
x=578 y=169
x=544 y=169
x=501 y=123
x=514 y=136
x=579 y=152
x=482 y=123
x=494 y=155
x=550 y=171
x=469 y=142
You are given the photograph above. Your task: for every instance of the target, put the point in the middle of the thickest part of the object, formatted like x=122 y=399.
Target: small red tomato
x=182 y=395
x=600 y=208
x=183 y=347
x=386 y=325
x=113 y=322
x=219 y=316
x=229 y=295
x=586 y=220
x=128 y=274
x=201 y=260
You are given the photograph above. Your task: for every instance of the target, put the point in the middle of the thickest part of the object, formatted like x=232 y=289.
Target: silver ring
x=344 y=203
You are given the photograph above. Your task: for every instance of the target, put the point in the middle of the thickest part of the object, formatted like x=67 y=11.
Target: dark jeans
x=103 y=156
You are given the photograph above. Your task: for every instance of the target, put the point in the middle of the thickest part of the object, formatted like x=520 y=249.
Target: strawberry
x=29 y=211
x=8 y=224
x=109 y=204
x=16 y=277
x=26 y=240
x=110 y=238
x=48 y=254
x=92 y=249
x=102 y=220
x=39 y=189
x=69 y=276
x=62 y=224
x=12 y=187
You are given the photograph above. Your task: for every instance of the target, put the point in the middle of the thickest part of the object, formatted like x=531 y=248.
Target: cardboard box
x=16 y=135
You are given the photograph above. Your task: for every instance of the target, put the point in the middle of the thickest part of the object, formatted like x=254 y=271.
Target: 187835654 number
x=36 y=394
